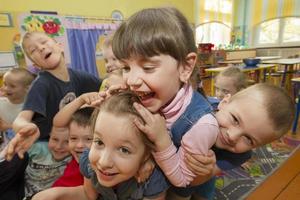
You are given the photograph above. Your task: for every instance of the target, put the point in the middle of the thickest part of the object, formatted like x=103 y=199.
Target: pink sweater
x=198 y=140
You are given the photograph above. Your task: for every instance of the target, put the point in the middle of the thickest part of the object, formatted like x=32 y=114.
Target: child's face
x=156 y=80
x=117 y=150
x=80 y=138
x=13 y=87
x=111 y=62
x=43 y=51
x=224 y=85
x=244 y=124
x=58 y=144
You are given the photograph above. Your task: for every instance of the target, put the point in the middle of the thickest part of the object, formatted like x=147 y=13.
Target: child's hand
x=202 y=166
x=22 y=141
x=92 y=98
x=154 y=128
x=115 y=89
x=145 y=171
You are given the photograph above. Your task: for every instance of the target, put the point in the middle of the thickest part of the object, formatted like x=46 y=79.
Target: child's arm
x=26 y=134
x=63 y=117
x=171 y=161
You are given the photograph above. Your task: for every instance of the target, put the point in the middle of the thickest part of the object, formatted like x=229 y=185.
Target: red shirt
x=71 y=176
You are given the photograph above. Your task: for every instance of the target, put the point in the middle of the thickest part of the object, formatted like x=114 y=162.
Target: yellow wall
x=99 y=8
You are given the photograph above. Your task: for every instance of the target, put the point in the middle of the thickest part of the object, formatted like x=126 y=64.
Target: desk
x=288 y=64
x=283 y=183
x=257 y=70
x=240 y=61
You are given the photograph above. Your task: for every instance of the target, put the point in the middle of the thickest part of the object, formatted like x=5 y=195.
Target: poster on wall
x=52 y=25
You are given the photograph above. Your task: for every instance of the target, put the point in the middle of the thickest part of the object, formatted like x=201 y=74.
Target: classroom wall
x=99 y=8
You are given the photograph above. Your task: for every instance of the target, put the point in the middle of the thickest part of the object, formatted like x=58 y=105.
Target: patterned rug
x=235 y=184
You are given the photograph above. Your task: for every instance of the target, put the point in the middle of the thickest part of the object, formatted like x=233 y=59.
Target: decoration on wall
x=17 y=46
x=5 y=20
x=42 y=23
x=117 y=15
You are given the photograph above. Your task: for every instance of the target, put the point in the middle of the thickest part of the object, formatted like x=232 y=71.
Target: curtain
x=82 y=39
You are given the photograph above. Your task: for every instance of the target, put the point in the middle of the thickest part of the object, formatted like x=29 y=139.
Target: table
x=257 y=70
x=240 y=61
x=288 y=63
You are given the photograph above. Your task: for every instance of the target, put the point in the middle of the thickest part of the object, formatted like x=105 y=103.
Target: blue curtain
x=82 y=44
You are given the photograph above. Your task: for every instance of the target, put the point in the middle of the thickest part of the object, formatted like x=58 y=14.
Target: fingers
x=115 y=89
x=10 y=150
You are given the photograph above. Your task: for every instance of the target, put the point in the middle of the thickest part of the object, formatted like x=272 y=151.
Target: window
x=278 y=32
x=213 y=32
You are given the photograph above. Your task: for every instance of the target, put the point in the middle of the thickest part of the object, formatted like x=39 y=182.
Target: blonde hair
x=279 y=105
x=238 y=77
x=26 y=77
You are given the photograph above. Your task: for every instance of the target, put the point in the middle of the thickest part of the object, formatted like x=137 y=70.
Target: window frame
x=279 y=41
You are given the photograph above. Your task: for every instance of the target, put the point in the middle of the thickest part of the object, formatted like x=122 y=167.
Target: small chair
x=296 y=86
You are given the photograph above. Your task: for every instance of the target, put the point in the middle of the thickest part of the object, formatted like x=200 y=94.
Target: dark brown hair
x=154 y=31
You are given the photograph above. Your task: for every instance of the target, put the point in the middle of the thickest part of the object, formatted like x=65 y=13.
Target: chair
x=296 y=86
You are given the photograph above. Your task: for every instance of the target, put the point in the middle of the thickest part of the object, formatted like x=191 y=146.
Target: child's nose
x=134 y=80
x=234 y=136
x=105 y=160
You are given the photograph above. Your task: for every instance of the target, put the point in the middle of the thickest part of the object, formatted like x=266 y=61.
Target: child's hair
x=236 y=74
x=82 y=117
x=121 y=104
x=279 y=105
x=154 y=31
x=26 y=77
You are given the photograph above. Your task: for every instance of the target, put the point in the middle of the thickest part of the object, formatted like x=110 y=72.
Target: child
x=158 y=51
x=16 y=83
x=113 y=78
x=55 y=86
x=80 y=138
x=229 y=81
x=238 y=125
x=158 y=65
x=47 y=161
x=119 y=149
x=111 y=62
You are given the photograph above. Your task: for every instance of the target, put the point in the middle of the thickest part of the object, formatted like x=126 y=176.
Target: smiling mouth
x=107 y=173
x=145 y=95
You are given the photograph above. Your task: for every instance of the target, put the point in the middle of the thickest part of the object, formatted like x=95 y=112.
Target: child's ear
x=224 y=101
x=187 y=69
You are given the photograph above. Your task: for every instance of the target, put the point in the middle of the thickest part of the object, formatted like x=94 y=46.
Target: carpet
x=235 y=184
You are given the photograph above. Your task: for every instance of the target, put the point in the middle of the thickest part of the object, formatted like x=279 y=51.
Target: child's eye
x=32 y=50
x=73 y=138
x=248 y=140
x=124 y=150
x=235 y=120
x=98 y=142
x=126 y=69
